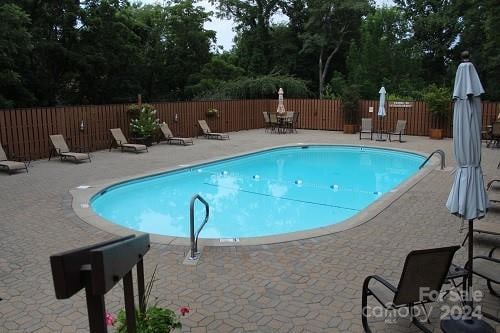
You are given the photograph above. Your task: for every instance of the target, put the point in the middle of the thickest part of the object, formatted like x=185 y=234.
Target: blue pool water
x=272 y=192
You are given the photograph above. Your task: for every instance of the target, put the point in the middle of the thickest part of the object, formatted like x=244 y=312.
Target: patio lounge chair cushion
x=62 y=149
x=209 y=134
x=10 y=165
x=121 y=141
x=13 y=165
x=169 y=136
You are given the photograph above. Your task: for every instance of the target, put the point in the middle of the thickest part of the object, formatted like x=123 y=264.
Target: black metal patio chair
x=424 y=270
x=366 y=127
x=400 y=129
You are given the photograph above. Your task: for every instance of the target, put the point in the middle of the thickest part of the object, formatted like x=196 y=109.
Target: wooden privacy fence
x=26 y=131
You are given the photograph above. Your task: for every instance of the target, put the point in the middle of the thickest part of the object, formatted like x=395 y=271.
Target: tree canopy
x=108 y=51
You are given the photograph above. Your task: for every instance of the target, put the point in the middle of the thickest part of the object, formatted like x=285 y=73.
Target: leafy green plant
x=212 y=112
x=255 y=87
x=154 y=320
x=438 y=100
x=144 y=122
x=350 y=101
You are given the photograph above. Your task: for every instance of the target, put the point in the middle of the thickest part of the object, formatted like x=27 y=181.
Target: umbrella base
x=380 y=136
x=466 y=326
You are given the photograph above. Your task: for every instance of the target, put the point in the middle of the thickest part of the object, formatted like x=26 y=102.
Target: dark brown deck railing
x=26 y=131
x=97 y=269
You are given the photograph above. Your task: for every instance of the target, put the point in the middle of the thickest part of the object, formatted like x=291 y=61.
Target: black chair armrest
x=381 y=280
x=490 y=183
x=487 y=258
x=490 y=254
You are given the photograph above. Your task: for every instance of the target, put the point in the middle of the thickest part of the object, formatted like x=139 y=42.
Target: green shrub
x=350 y=104
x=266 y=86
x=438 y=100
x=143 y=121
x=154 y=320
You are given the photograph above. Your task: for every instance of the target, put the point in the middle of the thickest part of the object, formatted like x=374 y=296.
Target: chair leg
x=492 y=291
x=364 y=309
x=418 y=323
x=490 y=316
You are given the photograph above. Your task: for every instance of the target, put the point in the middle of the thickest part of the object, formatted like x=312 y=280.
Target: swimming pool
x=272 y=192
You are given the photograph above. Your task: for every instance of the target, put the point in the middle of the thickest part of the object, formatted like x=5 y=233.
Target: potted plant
x=350 y=107
x=154 y=319
x=143 y=124
x=212 y=112
x=438 y=104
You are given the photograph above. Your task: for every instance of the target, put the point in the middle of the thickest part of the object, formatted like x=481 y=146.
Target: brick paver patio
x=311 y=285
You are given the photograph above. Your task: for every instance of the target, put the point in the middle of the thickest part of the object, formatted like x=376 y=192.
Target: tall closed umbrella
x=467 y=198
x=281 y=106
x=381 y=112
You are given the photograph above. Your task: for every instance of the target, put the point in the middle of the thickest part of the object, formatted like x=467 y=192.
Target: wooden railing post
x=98 y=268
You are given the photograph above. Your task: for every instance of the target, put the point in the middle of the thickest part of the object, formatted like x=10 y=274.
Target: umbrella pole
x=469 y=266
x=380 y=125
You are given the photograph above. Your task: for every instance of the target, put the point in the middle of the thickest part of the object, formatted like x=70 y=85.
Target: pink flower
x=109 y=319
x=184 y=310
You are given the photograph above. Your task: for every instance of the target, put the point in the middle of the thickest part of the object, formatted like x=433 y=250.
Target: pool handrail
x=194 y=237
x=438 y=151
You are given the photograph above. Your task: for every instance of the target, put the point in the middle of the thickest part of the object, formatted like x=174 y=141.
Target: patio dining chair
x=61 y=149
x=20 y=163
x=169 y=136
x=494 y=135
x=207 y=133
x=422 y=269
x=120 y=141
x=275 y=124
x=366 y=127
x=400 y=128
x=267 y=121
x=291 y=121
x=493 y=189
x=488 y=267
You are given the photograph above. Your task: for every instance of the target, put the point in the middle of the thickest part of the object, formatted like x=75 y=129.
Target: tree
x=384 y=55
x=436 y=26
x=253 y=18
x=110 y=52
x=15 y=45
x=481 y=23
x=187 y=42
x=331 y=23
x=55 y=42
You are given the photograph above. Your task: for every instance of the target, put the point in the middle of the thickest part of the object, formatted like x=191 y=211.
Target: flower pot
x=436 y=133
x=350 y=129
x=148 y=141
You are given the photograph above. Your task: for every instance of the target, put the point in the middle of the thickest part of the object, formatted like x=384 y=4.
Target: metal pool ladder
x=438 y=151
x=194 y=237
